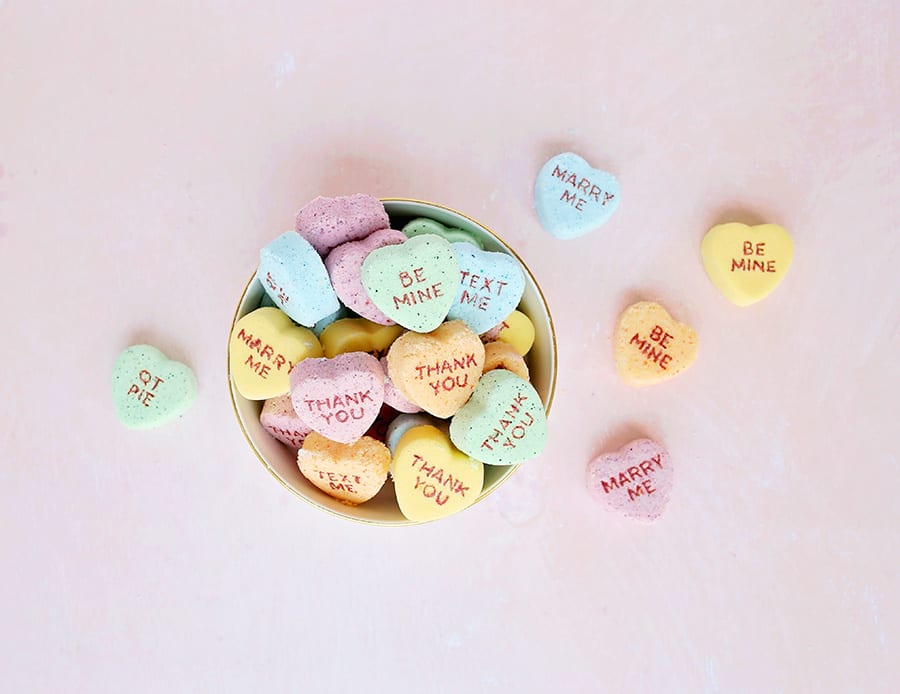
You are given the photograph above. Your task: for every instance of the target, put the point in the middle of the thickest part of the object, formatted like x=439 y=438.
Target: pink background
x=147 y=150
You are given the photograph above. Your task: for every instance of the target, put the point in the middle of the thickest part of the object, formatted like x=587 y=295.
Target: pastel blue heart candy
x=294 y=276
x=423 y=225
x=571 y=198
x=490 y=287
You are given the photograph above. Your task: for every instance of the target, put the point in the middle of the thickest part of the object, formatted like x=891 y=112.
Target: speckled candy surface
x=414 y=284
x=344 y=265
x=635 y=480
x=490 y=287
x=503 y=423
x=650 y=346
x=329 y=222
x=353 y=473
x=572 y=198
x=340 y=397
x=432 y=478
x=281 y=421
x=149 y=389
x=295 y=278
x=439 y=370
x=746 y=263
x=264 y=346
x=422 y=225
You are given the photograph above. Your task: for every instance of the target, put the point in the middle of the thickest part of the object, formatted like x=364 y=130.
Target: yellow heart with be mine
x=746 y=263
x=650 y=346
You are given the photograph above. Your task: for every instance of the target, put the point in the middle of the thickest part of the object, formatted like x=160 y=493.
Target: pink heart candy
x=636 y=480
x=344 y=264
x=340 y=397
x=280 y=420
x=394 y=397
x=329 y=222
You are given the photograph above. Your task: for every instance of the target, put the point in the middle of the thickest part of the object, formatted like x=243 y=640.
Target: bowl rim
x=406 y=522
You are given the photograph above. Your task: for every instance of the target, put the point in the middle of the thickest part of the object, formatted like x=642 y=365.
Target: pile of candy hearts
x=382 y=352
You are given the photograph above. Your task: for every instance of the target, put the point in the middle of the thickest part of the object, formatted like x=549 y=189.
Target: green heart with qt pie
x=149 y=389
x=413 y=283
x=503 y=423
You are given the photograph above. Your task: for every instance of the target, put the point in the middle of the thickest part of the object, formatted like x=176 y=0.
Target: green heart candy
x=413 y=283
x=423 y=225
x=149 y=389
x=503 y=423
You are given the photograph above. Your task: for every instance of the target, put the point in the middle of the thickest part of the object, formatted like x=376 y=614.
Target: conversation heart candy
x=503 y=423
x=422 y=225
x=432 y=478
x=571 y=198
x=413 y=284
x=281 y=421
x=264 y=347
x=635 y=481
x=352 y=473
x=502 y=355
x=404 y=422
x=394 y=397
x=344 y=265
x=294 y=276
x=438 y=370
x=329 y=222
x=650 y=346
x=490 y=287
x=340 y=397
x=149 y=389
x=516 y=330
x=358 y=335
x=746 y=263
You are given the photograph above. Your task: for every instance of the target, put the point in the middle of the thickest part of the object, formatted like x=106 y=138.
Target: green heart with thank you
x=149 y=389
x=413 y=283
x=503 y=423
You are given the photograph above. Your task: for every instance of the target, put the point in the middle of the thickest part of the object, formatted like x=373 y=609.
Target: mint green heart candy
x=149 y=389
x=413 y=283
x=503 y=423
x=423 y=225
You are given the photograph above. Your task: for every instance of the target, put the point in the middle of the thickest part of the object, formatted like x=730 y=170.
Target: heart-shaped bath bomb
x=344 y=265
x=636 y=480
x=329 y=222
x=422 y=225
x=339 y=398
x=149 y=389
x=295 y=278
x=265 y=344
x=432 y=478
x=352 y=473
x=650 y=346
x=281 y=421
x=746 y=263
x=503 y=423
x=358 y=335
x=438 y=370
x=490 y=287
x=413 y=284
x=393 y=397
x=571 y=198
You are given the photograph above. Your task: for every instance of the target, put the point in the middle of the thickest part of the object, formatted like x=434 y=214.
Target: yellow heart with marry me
x=746 y=263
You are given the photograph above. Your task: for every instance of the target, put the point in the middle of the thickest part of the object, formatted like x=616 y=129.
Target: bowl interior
x=383 y=509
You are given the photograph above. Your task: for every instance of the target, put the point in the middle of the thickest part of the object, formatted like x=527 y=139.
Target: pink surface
x=148 y=151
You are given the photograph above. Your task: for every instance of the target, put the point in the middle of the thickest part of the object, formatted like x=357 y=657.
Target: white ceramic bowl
x=383 y=510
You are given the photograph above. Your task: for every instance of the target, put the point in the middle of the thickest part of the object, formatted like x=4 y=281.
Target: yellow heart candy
x=265 y=344
x=358 y=335
x=518 y=331
x=352 y=473
x=746 y=263
x=650 y=346
x=431 y=477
